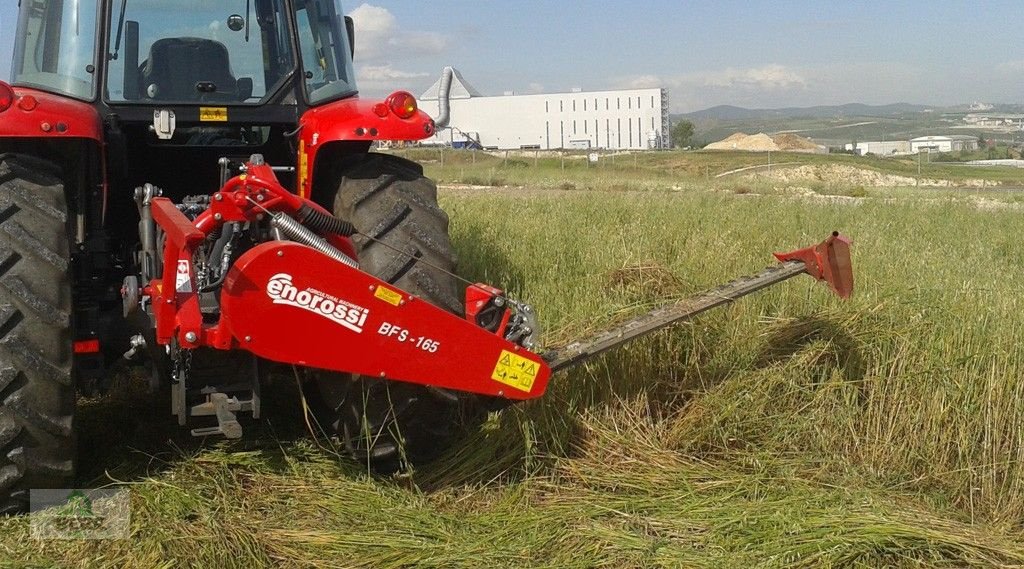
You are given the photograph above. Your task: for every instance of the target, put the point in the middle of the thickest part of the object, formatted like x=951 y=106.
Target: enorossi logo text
x=281 y=290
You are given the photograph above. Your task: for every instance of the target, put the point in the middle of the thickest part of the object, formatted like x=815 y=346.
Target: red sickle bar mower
x=353 y=322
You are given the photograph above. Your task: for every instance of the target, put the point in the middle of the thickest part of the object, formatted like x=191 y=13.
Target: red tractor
x=190 y=185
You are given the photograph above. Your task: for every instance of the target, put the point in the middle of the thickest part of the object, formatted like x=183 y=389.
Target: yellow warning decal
x=515 y=371
x=303 y=167
x=389 y=296
x=213 y=114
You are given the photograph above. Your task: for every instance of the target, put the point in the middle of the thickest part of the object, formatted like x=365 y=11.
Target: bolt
x=372 y=287
x=382 y=374
x=280 y=253
x=191 y=337
x=501 y=393
x=218 y=196
x=248 y=338
x=218 y=216
x=401 y=302
x=259 y=197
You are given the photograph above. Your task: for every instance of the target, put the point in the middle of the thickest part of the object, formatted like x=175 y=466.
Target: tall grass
x=790 y=429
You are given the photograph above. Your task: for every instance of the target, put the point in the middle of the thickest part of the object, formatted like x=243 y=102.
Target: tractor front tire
x=403 y=240
x=37 y=394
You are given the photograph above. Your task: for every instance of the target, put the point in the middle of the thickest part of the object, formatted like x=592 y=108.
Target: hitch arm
x=828 y=261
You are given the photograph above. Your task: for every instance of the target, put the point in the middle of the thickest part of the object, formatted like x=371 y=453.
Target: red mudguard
x=38 y=114
x=289 y=303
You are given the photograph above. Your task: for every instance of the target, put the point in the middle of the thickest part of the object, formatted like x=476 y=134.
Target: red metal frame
x=353 y=119
x=38 y=114
x=478 y=297
x=349 y=320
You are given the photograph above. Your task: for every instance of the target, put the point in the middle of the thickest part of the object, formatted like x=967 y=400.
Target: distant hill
x=731 y=113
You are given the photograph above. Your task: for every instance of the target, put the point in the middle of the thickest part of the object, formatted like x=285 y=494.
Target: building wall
x=944 y=143
x=881 y=148
x=625 y=119
x=931 y=144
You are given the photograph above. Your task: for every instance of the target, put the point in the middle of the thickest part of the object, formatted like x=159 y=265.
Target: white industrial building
x=628 y=119
x=881 y=148
x=952 y=143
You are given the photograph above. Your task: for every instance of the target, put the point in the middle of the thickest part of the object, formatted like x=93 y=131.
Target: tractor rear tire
x=37 y=393
x=389 y=425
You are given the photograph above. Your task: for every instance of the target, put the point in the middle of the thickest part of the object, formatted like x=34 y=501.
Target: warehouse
x=629 y=119
x=952 y=143
x=881 y=148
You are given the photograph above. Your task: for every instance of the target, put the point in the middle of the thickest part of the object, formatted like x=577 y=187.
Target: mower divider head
x=827 y=261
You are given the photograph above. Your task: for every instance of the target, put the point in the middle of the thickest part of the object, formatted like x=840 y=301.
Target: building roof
x=460 y=89
x=943 y=138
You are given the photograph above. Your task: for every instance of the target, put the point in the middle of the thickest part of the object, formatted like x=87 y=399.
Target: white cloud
x=534 y=88
x=380 y=39
x=771 y=77
x=690 y=91
x=1011 y=66
x=642 y=82
x=381 y=73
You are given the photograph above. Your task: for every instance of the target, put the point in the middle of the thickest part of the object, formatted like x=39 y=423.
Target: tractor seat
x=177 y=66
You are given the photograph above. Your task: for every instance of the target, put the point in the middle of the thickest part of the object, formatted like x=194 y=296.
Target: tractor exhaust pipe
x=444 y=92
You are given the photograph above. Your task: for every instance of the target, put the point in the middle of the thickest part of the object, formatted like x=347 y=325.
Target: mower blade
x=828 y=261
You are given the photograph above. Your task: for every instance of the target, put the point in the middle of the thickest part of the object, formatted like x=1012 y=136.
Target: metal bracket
x=163 y=124
x=224 y=408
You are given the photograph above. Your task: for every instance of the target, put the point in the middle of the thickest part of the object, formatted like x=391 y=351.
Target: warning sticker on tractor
x=389 y=296
x=213 y=114
x=183 y=277
x=515 y=371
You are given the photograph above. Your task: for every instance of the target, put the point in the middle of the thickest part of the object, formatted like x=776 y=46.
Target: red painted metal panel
x=353 y=119
x=288 y=303
x=52 y=116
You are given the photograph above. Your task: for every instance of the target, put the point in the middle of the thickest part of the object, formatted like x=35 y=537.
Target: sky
x=753 y=53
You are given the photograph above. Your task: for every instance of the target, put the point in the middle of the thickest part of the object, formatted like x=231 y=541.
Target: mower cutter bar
x=829 y=261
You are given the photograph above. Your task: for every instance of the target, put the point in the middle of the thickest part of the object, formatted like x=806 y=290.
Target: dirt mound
x=850 y=175
x=734 y=137
x=759 y=142
x=794 y=143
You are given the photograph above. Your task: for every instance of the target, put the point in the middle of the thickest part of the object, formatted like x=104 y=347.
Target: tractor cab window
x=55 y=46
x=325 y=49
x=195 y=51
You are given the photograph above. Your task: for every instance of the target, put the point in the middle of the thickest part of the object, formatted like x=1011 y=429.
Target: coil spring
x=323 y=223
x=299 y=233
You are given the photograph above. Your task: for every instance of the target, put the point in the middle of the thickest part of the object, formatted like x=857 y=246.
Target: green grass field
x=790 y=429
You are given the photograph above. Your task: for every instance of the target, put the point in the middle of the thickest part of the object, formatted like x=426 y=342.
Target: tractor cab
x=182 y=87
x=186 y=52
